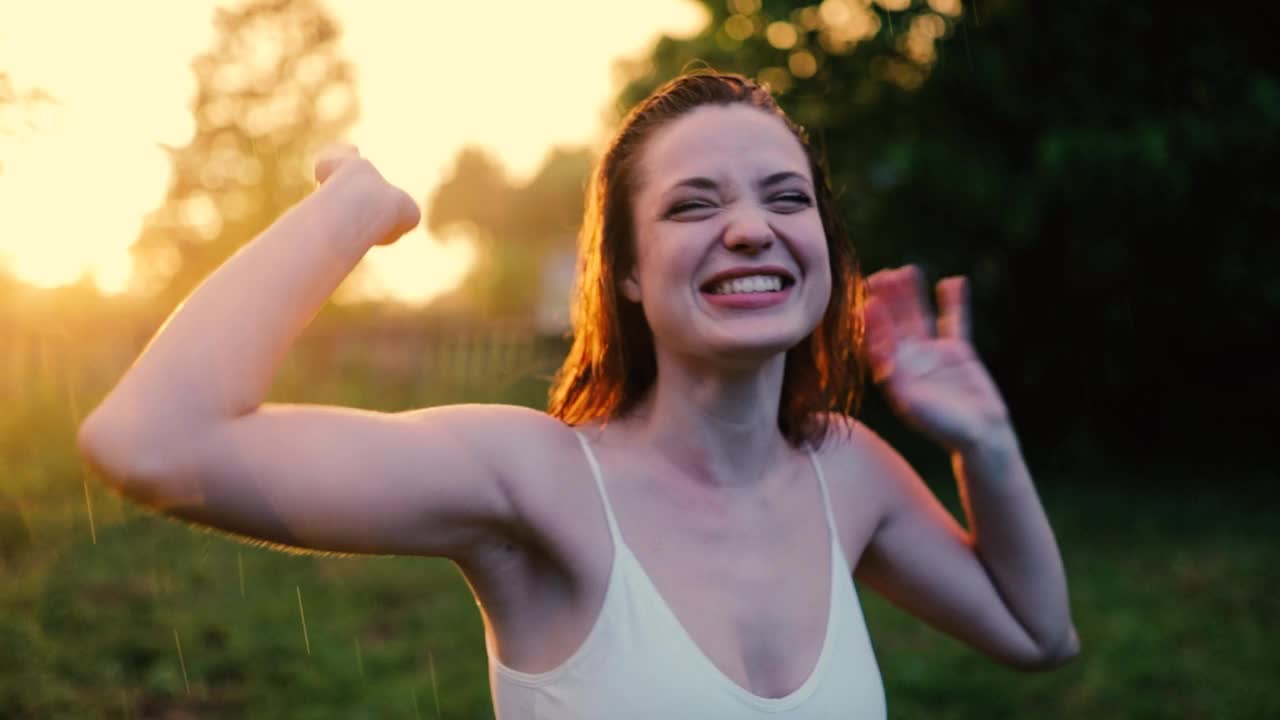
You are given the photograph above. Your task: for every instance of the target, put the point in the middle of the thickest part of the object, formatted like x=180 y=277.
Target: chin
x=754 y=345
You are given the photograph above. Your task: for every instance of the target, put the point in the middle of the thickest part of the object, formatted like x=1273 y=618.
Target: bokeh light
x=950 y=8
x=802 y=64
x=782 y=35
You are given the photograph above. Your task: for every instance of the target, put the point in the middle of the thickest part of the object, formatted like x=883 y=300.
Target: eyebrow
x=781 y=177
x=698 y=183
x=706 y=183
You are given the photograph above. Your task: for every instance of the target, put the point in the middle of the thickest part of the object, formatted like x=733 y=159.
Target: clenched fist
x=393 y=211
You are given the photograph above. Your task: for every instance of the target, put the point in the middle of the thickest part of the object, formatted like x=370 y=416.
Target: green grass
x=1173 y=593
x=1174 y=585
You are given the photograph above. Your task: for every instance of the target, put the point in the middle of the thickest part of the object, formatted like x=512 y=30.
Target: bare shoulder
x=537 y=460
x=867 y=476
x=502 y=433
x=856 y=453
x=526 y=448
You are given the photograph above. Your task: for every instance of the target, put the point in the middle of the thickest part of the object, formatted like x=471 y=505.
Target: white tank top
x=638 y=661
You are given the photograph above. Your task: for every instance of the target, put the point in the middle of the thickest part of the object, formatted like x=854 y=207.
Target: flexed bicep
x=341 y=479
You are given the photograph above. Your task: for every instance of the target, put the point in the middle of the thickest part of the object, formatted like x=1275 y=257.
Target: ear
x=631 y=286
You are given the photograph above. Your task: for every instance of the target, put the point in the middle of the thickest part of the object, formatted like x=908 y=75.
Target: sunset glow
x=79 y=171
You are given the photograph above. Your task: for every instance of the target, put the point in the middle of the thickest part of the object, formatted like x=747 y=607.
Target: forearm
x=216 y=355
x=1014 y=541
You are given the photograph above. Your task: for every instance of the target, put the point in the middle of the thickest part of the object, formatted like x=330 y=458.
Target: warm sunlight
x=77 y=173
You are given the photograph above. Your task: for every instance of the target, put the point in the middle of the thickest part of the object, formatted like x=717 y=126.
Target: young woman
x=678 y=536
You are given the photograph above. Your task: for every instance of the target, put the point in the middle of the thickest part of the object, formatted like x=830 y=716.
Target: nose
x=748 y=232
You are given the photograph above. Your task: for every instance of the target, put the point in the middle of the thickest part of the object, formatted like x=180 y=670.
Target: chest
x=749 y=584
x=756 y=560
x=744 y=590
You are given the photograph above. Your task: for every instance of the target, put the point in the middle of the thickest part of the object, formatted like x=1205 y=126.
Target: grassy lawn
x=1175 y=590
x=1173 y=594
x=1175 y=607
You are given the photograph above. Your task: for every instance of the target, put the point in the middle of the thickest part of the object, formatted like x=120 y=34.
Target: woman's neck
x=720 y=426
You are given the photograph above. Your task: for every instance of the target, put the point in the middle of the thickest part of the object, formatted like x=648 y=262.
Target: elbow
x=1051 y=657
x=103 y=446
x=93 y=443
x=123 y=456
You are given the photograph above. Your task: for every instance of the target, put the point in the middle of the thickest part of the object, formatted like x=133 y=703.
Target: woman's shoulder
x=495 y=417
x=846 y=437
x=516 y=440
x=538 y=458
x=852 y=453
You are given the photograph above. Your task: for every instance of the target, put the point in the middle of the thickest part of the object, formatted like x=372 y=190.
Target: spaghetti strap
x=826 y=497
x=604 y=496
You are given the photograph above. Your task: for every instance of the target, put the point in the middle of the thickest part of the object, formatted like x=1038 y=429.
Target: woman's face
x=731 y=256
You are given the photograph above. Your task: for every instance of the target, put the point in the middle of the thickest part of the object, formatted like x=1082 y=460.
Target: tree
x=517 y=228
x=271 y=91
x=1102 y=172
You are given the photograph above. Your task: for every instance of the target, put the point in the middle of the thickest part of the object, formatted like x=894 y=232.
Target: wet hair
x=611 y=364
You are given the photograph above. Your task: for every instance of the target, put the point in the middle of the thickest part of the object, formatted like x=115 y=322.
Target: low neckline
x=803 y=690
x=622 y=549
x=631 y=641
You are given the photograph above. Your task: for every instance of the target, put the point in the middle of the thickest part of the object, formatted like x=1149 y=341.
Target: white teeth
x=748 y=284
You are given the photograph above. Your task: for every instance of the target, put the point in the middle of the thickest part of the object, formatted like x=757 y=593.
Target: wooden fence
x=45 y=364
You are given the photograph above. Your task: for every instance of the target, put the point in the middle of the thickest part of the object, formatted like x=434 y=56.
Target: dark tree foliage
x=1103 y=172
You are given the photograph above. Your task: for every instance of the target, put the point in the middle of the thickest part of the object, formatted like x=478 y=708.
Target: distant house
x=559 y=270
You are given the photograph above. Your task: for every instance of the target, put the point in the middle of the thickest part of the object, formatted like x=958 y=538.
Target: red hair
x=612 y=365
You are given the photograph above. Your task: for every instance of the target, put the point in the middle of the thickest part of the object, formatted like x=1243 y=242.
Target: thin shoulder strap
x=826 y=496
x=604 y=496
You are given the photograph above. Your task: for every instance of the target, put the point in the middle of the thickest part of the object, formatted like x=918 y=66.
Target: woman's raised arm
x=186 y=430
x=1000 y=585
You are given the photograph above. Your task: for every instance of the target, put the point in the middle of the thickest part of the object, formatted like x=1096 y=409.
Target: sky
x=77 y=175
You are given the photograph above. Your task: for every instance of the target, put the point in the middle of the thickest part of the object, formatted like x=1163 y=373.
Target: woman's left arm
x=1001 y=585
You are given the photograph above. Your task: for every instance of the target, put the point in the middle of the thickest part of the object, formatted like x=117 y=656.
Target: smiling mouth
x=748 y=285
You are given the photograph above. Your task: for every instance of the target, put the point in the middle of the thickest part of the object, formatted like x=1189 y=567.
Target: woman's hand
x=928 y=369
x=395 y=212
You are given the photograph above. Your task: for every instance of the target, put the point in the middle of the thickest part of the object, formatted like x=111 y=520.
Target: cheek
x=816 y=257
x=825 y=299
x=809 y=242
x=824 y=262
x=661 y=264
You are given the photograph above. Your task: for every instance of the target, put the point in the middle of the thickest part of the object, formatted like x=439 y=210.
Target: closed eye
x=793 y=201
x=688 y=207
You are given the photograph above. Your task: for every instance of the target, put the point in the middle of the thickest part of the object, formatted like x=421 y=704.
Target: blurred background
x=1104 y=173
